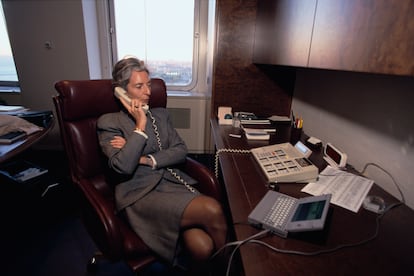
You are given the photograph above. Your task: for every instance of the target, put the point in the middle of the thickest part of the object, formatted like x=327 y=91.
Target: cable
x=386 y=172
x=173 y=173
x=238 y=244
x=253 y=239
x=393 y=180
x=362 y=173
x=319 y=252
x=227 y=151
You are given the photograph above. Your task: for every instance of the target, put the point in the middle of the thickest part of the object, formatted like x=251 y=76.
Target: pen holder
x=295 y=135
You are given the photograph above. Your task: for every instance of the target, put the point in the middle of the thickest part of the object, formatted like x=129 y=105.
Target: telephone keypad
x=282 y=162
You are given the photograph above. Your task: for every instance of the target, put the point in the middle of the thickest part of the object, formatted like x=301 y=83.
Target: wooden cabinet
x=374 y=36
x=283 y=32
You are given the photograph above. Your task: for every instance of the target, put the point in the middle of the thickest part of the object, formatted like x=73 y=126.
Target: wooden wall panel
x=374 y=36
x=237 y=82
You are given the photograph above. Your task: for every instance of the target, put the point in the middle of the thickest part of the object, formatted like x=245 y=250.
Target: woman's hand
x=136 y=110
x=145 y=160
x=118 y=142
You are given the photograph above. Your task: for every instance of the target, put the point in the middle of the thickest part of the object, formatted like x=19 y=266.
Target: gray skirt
x=156 y=217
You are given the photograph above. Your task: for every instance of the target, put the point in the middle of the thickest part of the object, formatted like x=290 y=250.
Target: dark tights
x=204 y=227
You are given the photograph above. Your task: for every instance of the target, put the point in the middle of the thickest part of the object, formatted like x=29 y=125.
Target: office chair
x=78 y=104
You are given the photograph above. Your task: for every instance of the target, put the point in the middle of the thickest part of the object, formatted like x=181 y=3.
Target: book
x=12 y=137
x=255 y=121
x=265 y=127
x=22 y=171
x=277 y=118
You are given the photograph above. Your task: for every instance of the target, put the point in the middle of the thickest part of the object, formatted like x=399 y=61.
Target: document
x=256 y=134
x=348 y=190
x=11 y=108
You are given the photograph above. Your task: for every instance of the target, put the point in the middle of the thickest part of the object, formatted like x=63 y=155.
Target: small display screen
x=301 y=147
x=333 y=154
x=309 y=211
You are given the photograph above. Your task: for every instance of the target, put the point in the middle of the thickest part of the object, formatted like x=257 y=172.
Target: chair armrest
x=110 y=231
x=98 y=214
x=207 y=181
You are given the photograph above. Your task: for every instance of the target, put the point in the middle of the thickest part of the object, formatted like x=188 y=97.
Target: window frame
x=199 y=78
x=9 y=86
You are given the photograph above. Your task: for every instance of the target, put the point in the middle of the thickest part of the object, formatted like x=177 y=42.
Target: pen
x=298 y=123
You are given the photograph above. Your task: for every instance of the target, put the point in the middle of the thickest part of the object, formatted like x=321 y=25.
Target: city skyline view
x=168 y=56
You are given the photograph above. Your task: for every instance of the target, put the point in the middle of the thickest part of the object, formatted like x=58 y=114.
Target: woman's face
x=139 y=86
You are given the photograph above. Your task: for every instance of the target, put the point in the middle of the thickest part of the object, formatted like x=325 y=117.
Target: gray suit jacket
x=125 y=161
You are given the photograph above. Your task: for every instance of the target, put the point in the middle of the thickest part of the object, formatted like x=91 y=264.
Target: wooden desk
x=11 y=150
x=390 y=253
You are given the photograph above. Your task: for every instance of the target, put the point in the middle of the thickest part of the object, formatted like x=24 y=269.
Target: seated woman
x=160 y=203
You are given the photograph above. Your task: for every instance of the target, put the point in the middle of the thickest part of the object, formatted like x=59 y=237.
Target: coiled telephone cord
x=173 y=173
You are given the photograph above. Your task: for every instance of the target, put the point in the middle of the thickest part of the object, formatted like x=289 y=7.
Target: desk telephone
x=121 y=93
x=280 y=163
x=285 y=163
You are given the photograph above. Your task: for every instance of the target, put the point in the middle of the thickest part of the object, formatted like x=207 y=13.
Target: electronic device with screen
x=285 y=163
x=303 y=149
x=282 y=214
x=334 y=156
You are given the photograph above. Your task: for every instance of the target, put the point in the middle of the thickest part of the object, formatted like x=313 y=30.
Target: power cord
x=362 y=173
x=254 y=239
x=393 y=180
x=237 y=245
x=319 y=252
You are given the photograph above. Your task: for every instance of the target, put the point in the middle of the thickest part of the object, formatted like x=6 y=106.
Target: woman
x=164 y=211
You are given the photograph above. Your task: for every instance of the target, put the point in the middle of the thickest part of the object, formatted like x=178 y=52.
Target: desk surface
x=11 y=150
x=388 y=254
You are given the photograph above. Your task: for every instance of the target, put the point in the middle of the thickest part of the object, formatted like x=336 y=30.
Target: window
x=8 y=74
x=163 y=33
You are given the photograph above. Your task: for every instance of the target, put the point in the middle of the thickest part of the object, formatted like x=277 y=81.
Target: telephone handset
x=121 y=93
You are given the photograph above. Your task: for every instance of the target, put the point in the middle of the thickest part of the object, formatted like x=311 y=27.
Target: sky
x=4 y=39
x=163 y=41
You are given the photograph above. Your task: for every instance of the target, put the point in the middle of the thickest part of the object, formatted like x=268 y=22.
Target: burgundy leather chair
x=79 y=103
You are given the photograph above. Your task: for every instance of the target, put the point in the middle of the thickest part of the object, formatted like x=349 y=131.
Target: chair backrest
x=79 y=103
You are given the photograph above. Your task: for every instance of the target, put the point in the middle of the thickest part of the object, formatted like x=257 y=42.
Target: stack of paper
x=256 y=134
x=255 y=121
x=277 y=118
x=11 y=108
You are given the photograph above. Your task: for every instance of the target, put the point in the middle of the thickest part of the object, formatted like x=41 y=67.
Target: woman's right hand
x=136 y=110
x=118 y=142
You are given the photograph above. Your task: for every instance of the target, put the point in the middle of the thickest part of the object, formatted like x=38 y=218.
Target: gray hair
x=123 y=69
